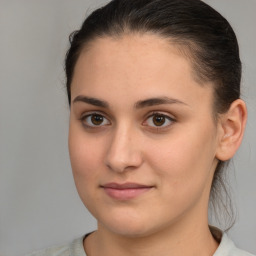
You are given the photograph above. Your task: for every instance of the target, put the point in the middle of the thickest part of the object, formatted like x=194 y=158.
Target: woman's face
x=142 y=137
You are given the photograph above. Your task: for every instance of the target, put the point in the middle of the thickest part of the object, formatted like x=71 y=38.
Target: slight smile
x=125 y=191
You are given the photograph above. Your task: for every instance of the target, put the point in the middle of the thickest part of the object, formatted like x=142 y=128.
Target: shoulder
x=74 y=248
x=228 y=248
x=54 y=251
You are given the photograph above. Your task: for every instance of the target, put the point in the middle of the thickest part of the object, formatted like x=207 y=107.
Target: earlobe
x=232 y=127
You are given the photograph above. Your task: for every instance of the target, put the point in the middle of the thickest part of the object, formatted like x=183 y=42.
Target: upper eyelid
x=89 y=113
x=161 y=113
x=85 y=115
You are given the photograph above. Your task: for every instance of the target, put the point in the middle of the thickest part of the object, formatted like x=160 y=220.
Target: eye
x=94 y=120
x=159 y=120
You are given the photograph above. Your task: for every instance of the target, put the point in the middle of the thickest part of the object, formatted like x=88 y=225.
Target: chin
x=131 y=227
x=123 y=225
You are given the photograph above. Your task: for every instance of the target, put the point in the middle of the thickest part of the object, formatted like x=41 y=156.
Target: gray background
x=39 y=203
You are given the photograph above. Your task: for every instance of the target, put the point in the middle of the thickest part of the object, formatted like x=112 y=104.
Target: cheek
x=184 y=162
x=85 y=159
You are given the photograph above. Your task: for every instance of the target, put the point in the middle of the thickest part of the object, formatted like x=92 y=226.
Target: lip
x=125 y=191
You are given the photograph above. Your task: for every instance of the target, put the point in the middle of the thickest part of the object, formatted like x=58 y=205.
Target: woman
x=154 y=88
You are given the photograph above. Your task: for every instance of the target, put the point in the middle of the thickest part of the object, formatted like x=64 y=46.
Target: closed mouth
x=127 y=185
x=125 y=191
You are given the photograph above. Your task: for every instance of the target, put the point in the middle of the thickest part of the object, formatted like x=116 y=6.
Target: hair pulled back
x=203 y=35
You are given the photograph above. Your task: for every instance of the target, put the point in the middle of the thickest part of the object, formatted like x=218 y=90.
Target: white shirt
x=226 y=247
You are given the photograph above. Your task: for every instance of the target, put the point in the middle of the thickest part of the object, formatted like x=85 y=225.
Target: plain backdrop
x=38 y=199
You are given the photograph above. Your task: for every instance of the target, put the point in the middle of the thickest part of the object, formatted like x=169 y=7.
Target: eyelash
x=92 y=126
x=152 y=115
x=161 y=115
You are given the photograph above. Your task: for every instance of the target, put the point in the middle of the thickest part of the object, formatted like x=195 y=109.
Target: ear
x=231 y=130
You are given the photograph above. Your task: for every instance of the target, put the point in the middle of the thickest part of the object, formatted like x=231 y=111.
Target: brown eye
x=158 y=120
x=97 y=119
x=94 y=120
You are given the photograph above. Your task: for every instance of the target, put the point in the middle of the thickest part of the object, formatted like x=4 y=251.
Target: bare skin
x=144 y=146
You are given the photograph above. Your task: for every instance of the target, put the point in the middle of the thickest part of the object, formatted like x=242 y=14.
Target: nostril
x=120 y=166
x=121 y=163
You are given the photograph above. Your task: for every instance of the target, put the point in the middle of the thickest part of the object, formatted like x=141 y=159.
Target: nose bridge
x=123 y=151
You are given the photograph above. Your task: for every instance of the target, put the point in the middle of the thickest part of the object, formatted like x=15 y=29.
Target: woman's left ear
x=231 y=130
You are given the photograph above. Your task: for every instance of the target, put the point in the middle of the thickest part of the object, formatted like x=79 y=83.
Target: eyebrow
x=138 y=105
x=91 y=101
x=157 y=101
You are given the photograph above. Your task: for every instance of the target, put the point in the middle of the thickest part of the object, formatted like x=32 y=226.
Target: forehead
x=145 y=49
x=137 y=63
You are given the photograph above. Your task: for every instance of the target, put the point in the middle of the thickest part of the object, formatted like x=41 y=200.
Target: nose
x=124 y=151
